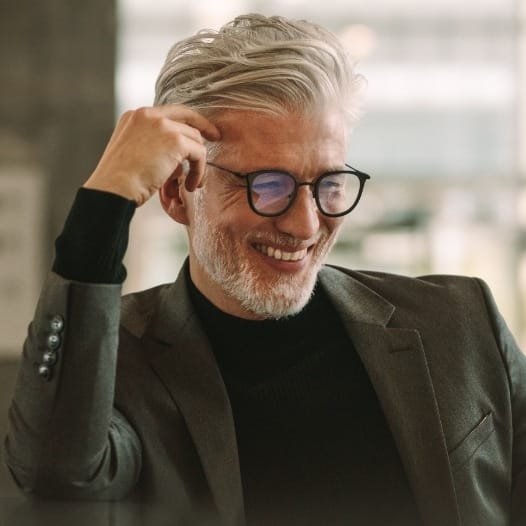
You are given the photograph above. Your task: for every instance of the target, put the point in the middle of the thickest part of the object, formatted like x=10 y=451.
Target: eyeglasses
x=272 y=192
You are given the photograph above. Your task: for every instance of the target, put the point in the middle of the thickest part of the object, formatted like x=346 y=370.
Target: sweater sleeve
x=92 y=245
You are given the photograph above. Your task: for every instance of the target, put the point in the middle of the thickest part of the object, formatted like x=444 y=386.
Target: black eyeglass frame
x=250 y=176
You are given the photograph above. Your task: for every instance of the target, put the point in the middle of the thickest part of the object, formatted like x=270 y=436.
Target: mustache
x=286 y=240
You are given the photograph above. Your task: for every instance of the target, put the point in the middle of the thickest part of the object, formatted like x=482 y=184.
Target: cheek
x=215 y=204
x=333 y=225
x=232 y=211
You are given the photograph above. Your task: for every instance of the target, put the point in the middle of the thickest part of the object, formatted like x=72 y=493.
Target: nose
x=301 y=220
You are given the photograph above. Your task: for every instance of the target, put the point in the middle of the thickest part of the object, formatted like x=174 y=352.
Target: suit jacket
x=135 y=406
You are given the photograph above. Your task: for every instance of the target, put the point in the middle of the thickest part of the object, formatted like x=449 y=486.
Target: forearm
x=93 y=242
x=64 y=436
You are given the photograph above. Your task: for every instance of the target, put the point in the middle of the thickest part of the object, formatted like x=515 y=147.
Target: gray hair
x=269 y=64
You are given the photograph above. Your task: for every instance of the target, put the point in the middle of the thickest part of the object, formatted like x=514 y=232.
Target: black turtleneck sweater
x=314 y=445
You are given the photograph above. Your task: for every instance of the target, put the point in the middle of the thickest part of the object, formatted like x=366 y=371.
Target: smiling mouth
x=279 y=254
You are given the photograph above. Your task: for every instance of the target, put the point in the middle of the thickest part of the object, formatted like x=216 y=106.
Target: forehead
x=258 y=139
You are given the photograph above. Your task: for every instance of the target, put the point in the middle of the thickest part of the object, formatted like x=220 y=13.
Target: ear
x=173 y=199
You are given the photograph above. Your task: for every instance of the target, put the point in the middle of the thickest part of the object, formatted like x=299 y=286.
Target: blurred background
x=443 y=136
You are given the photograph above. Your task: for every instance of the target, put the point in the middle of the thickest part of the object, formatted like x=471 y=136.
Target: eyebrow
x=244 y=173
x=284 y=170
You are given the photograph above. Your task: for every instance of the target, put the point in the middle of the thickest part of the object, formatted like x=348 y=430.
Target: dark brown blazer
x=135 y=407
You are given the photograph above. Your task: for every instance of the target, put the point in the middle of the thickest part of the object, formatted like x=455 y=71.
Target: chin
x=280 y=296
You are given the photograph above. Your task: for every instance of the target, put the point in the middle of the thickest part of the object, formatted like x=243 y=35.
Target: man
x=261 y=387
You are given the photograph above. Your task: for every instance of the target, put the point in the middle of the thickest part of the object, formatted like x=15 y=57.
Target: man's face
x=263 y=267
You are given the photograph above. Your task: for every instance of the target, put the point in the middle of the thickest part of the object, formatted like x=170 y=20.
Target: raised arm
x=65 y=438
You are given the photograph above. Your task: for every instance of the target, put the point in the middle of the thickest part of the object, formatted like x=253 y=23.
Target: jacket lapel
x=397 y=366
x=190 y=373
x=395 y=361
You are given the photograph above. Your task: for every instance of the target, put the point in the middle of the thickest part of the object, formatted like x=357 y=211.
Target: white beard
x=277 y=296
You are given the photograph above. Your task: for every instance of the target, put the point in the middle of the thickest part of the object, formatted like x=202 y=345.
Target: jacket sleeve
x=515 y=362
x=65 y=439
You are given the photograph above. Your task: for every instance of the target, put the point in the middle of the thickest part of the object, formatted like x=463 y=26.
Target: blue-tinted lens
x=337 y=192
x=271 y=192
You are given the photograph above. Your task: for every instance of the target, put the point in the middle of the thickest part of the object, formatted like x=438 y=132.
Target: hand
x=148 y=145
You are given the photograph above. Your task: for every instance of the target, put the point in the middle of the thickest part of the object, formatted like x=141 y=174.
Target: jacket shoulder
x=416 y=292
x=386 y=279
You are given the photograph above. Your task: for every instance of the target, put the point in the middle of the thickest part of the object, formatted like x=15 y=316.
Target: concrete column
x=57 y=62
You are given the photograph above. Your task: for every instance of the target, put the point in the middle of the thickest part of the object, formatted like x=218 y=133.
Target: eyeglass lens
x=271 y=192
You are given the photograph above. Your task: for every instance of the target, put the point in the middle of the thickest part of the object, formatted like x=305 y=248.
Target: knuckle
x=125 y=118
x=126 y=115
x=144 y=113
x=175 y=137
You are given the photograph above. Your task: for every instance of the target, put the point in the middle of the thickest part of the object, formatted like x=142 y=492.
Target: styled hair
x=268 y=64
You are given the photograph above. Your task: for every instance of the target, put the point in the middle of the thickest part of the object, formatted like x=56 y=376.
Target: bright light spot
x=359 y=40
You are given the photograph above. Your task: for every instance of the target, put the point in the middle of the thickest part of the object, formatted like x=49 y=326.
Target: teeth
x=277 y=253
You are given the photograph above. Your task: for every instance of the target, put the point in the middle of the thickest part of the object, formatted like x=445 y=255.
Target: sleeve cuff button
x=44 y=372
x=57 y=323
x=50 y=358
x=53 y=341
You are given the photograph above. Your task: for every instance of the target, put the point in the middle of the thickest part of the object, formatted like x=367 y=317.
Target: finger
x=195 y=175
x=184 y=129
x=192 y=160
x=183 y=114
